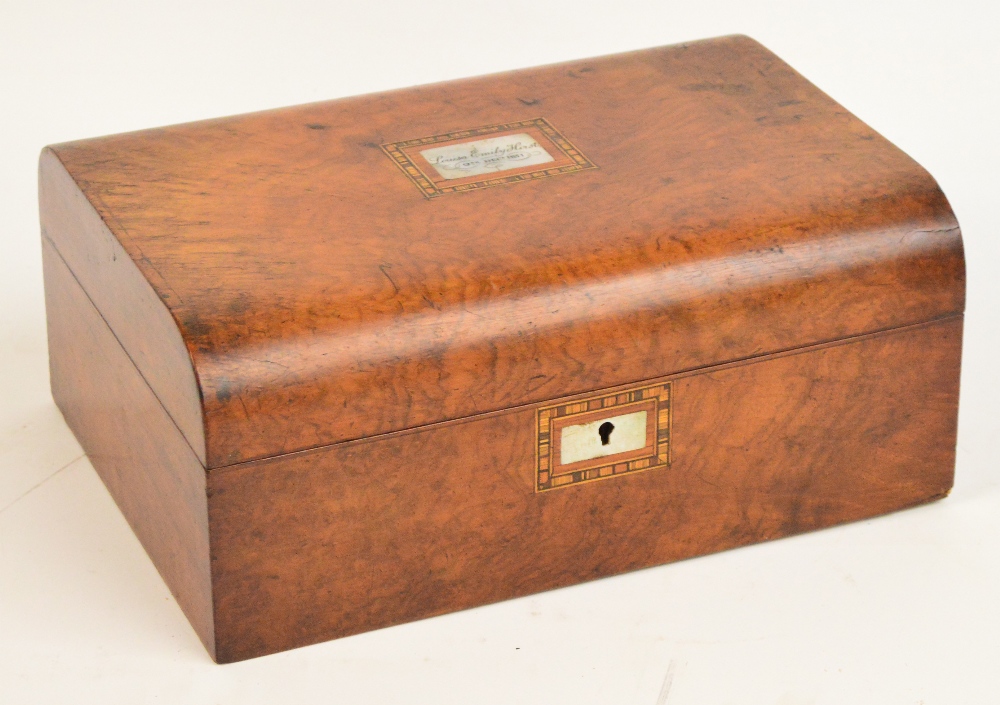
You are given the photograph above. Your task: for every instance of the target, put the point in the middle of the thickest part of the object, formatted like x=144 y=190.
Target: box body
x=348 y=365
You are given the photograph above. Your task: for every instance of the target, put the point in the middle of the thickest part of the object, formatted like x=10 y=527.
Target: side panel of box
x=363 y=535
x=141 y=456
x=141 y=321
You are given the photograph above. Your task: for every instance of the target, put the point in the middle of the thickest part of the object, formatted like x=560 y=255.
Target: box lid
x=305 y=276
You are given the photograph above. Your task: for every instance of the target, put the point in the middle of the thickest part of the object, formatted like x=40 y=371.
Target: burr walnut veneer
x=360 y=362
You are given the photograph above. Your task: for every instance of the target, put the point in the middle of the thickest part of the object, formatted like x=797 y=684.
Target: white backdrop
x=902 y=609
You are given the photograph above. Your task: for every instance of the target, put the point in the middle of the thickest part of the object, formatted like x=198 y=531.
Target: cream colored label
x=496 y=154
x=587 y=441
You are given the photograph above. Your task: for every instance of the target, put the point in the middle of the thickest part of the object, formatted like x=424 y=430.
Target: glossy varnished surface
x=313 y=391
x=368 y=534
x=736 y=210
x=278 y=553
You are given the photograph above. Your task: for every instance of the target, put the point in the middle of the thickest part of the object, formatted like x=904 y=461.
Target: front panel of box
x=366 y=534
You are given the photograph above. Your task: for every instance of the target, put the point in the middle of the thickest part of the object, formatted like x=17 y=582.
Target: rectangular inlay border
x=547 y=475
x=567 y=157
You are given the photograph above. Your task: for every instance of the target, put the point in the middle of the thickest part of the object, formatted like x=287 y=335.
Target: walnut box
x=355 y=363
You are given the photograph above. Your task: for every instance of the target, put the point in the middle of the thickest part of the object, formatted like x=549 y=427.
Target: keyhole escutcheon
x=605 y=432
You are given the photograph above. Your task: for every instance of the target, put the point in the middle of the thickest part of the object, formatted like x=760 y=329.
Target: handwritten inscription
x=488 y=156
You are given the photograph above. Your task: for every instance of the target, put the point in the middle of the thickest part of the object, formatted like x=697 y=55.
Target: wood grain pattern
x=322 y=298
x=314 y=392
x=363 y=535
x=144 y=461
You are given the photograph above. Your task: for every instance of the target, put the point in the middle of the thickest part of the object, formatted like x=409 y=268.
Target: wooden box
x=355 y=363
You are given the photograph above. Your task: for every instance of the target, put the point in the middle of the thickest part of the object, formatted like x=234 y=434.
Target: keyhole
x=605 y=431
